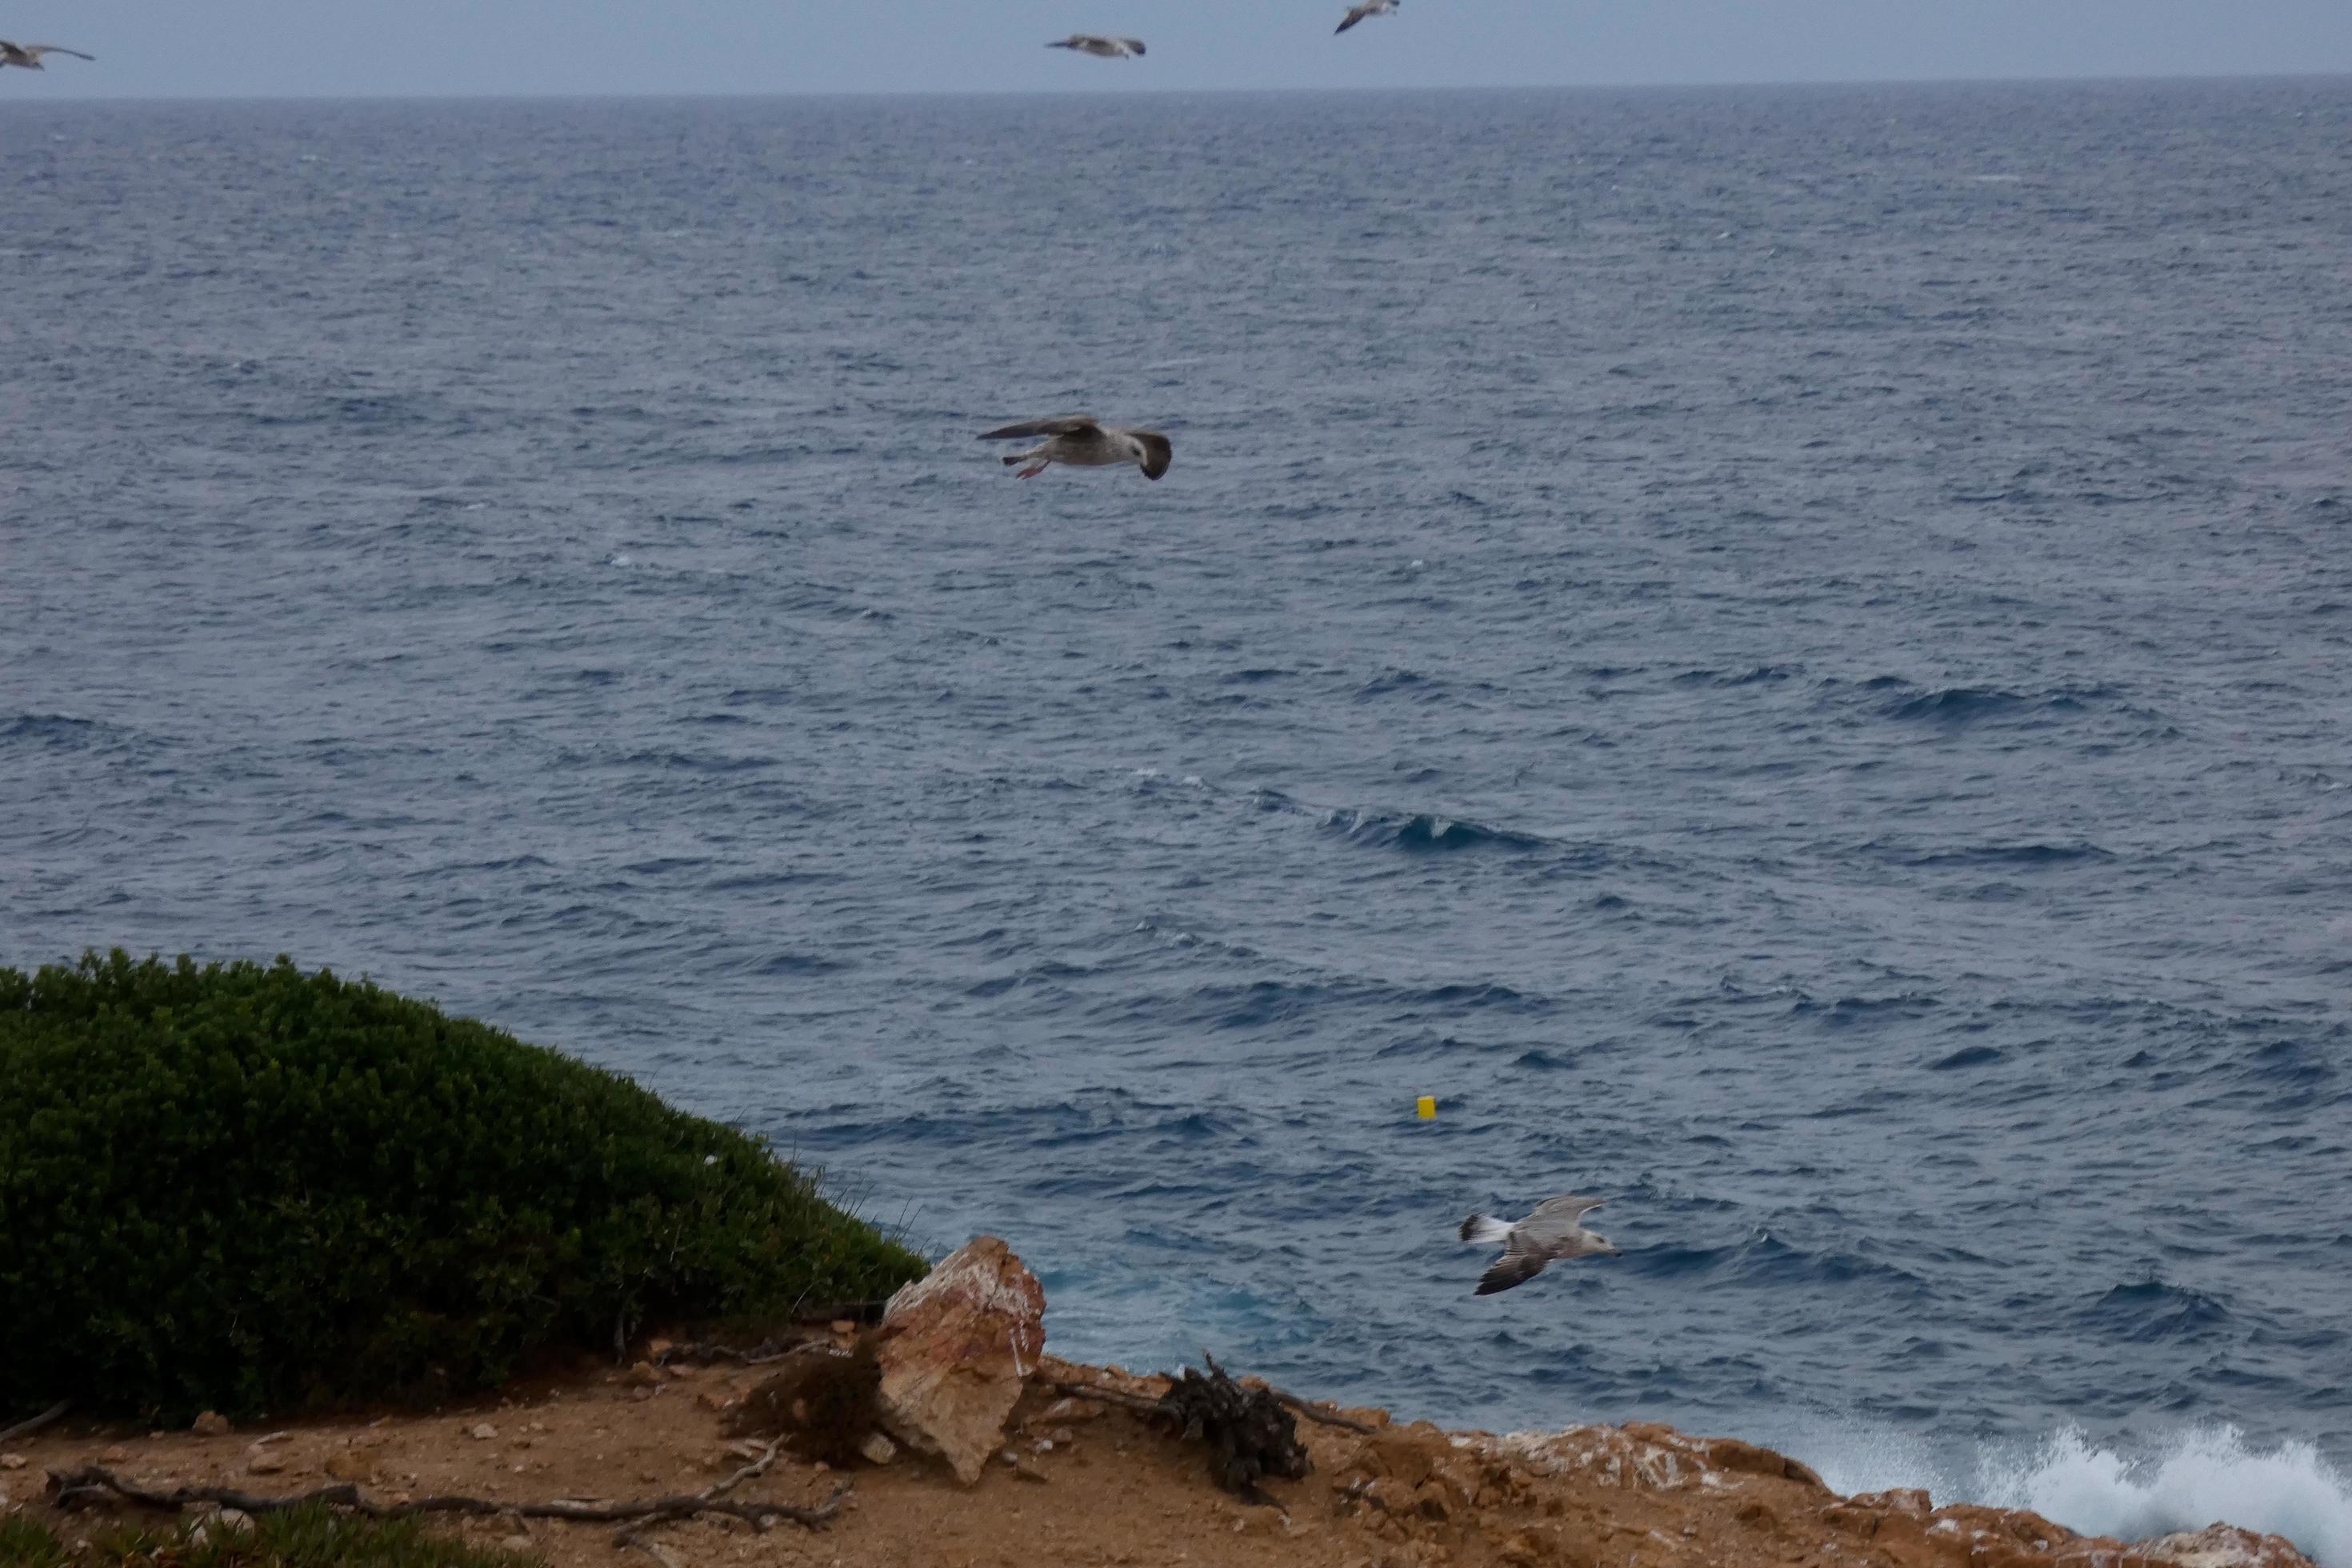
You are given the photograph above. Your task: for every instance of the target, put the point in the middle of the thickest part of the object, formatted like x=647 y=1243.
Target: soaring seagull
x=29 y=54
x=1369 y=8
x=1554 y=1233
x=1101 y=48
x=1085 y=442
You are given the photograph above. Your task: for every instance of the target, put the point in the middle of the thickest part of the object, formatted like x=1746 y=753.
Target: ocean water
x=1787 y=654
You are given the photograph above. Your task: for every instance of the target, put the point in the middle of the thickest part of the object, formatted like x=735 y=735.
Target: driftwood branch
x=93 y=1484
x=1324 y=1414
x=27 y=1428
x=653 y=1549
x=1138 y=1403
x=628 y=1536
x=1146 y=1406
x=760 y=1355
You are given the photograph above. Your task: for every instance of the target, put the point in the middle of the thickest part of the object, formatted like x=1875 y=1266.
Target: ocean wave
x=1426 y=830
x=1768 y=1261
x=1755 y=674
x=2204 y=1477
x=58 y=730
x=2152 y=1310
x=2200 y=1477
x=2006 y=855
x=1375 y=827
x=1960 y=705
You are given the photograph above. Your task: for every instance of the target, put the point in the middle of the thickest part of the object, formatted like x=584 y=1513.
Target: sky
x=334 y=48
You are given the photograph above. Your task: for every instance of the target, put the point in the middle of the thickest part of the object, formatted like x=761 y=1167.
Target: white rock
x=2223 y=1546
x=956 y=1348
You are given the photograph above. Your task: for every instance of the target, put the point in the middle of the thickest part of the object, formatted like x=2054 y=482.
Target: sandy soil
x=1082 y=1484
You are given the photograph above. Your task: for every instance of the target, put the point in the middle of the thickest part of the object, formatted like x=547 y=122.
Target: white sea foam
x=2204 y=1476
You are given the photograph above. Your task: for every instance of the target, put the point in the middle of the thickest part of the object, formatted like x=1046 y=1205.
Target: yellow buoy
x=1428 y=1107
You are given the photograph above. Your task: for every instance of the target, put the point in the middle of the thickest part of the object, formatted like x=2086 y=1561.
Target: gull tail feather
x=1479 y=1229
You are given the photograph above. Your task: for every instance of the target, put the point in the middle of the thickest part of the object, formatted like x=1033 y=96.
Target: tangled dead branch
x=1322 y=1414
x=822 y=1408
x=1313 y=1411
x=1139 y=1403
x=92 y=1484
x=808 y=1334
x=28 y=1427
x=760 y=1355
x=1249 y=1431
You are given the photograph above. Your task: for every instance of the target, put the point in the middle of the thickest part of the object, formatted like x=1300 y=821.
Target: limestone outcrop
x=955 y=1349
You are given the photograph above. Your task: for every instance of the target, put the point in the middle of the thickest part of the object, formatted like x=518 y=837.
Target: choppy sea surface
x=1785 y=654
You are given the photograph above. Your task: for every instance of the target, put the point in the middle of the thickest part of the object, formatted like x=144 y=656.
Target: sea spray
x=2203 y=1476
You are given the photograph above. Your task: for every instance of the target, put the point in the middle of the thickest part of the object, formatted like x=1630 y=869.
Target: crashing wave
x=2201 y=1476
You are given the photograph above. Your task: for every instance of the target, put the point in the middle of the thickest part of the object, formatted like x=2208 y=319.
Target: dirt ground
x=1081 y=1483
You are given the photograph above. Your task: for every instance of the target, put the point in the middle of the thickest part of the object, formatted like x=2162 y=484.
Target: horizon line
x=725 y=95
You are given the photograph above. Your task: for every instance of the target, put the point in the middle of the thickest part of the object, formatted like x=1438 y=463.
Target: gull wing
x=1068 y=425
x=1354 y=17
x=1514 y=1267
x=1561 y=1216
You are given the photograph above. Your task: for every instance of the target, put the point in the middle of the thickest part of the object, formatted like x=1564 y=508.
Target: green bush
x=300 y=1538
x=249 y=1189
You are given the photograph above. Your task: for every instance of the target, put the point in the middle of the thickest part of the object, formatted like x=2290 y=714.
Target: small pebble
x=483 y=1433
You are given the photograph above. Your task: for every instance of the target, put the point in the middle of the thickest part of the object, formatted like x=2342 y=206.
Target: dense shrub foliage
x=246 y=1188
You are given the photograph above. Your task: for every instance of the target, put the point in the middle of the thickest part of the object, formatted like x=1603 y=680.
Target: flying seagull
x=1085 y=442
x=29 y=54
x=1554 y=1233
x=1100 y=47
x=1369 y=8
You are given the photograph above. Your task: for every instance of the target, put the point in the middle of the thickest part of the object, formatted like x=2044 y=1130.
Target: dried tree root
x=630 y=1534
x=1248 y=1431
x=27 y=1428
x=1143 y=1406
x=653 y=1549
x=1327 y=1415
x=92 y=1484
x=760 y=1355
x=1139 y=1403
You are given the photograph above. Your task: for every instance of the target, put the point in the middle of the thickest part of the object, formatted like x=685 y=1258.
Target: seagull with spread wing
x=1101 y=48
x=29 y=54
x=1555 y=1233
x=1369 y=8
x=1085 y=442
